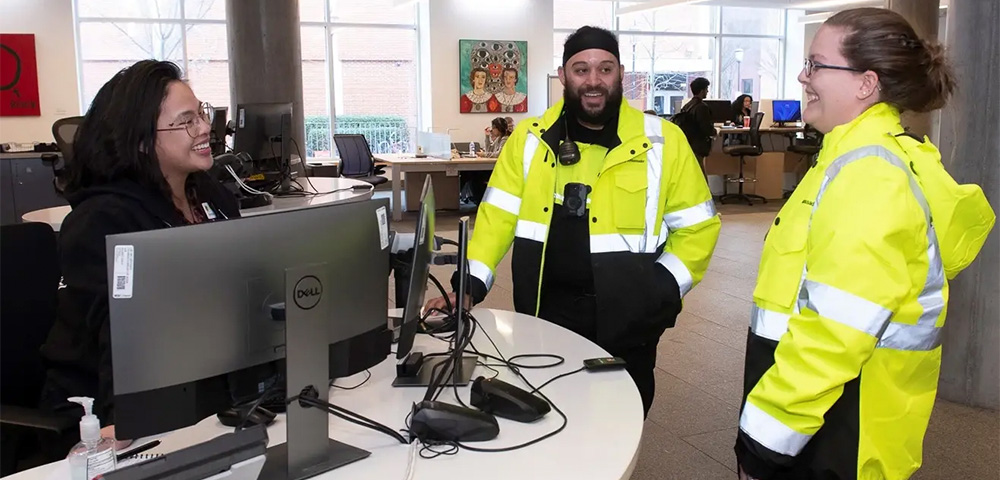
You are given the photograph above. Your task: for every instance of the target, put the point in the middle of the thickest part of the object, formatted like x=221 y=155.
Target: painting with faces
x=493 y=76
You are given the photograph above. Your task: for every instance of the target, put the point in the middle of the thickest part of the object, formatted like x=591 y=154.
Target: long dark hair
x=500 y=123
x=117 y=139
x=738 y=104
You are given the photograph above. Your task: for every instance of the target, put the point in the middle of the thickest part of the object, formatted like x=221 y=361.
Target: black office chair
x=30 y=279
x=64 y=131
x=808 y=147
x=755 y=149
x=356 y=159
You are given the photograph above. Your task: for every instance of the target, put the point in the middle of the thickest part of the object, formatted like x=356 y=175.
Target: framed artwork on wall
x=18 y=76
x=493 y=76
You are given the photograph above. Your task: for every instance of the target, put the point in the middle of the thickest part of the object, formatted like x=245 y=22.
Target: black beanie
x=588 y=37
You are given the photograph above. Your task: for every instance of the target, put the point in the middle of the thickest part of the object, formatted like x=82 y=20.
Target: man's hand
x=440 y=304
x=109 y=432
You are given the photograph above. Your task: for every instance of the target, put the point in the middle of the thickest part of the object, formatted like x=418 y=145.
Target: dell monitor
x=195 y=309
x=217 y=135
x=785 y=111
x=264 y=132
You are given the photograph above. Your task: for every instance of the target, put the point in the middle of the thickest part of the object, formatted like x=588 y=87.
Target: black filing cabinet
x=25 y=185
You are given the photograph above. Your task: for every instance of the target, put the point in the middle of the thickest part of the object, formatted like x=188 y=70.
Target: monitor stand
x=308 y=451
x=423 y=376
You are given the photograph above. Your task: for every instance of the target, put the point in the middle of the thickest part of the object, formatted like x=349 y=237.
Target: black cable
x=256 y=405
x=525 y=380
x=352 y=417
x=369 y=377
x=557 y=377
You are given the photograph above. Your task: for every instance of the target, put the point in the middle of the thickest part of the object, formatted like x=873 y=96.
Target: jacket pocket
x=630 y=200
x=783 y=259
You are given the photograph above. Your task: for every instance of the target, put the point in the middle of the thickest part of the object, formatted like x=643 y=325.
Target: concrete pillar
x=923 y=17
x=265 y=57
x=970 y=148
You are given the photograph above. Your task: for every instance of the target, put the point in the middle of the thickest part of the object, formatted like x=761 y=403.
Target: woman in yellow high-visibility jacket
x=843 y=353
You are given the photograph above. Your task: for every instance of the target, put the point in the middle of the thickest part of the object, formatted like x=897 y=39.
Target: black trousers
x=576 y=312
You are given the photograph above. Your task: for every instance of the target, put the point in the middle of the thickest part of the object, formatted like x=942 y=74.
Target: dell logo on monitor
x=308 y=291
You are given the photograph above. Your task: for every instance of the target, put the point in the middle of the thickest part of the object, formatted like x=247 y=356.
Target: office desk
x=408 y=163
x=600 y=441
x=54 y=216
x=770 y=168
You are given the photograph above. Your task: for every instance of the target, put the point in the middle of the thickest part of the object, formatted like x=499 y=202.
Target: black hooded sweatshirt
x=78 y=349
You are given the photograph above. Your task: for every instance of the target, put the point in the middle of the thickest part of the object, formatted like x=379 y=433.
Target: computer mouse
x=508 y=401
x=233 y=417
x=431 y=420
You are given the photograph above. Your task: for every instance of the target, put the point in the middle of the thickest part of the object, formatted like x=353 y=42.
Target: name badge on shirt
x=208 y=211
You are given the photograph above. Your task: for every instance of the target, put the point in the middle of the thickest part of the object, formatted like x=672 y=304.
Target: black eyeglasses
x=206 y=113
x=811 y=66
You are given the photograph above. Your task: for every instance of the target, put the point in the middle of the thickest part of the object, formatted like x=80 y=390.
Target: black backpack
x=688 y=124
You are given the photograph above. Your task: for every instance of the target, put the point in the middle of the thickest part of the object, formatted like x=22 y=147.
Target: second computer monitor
x=423 y=249
x=785 y=111
x=722 y=110
x=259 y=129
x=192 y=306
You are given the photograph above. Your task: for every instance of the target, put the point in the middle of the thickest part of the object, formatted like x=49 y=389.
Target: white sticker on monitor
x=383 y=227
x=123 y=271
x=242 y=117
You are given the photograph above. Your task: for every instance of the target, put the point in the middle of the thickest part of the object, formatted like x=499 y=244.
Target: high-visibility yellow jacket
x=844 y=349
x=651 y=212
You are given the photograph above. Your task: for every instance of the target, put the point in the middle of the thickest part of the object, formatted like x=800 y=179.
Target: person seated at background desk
x=742 y=107
x=139 y=162
x=476 y=181
x=510 y=125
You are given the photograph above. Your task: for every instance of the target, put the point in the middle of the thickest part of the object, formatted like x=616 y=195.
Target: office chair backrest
x=64 y=131
x=755 y=122
x=30 y=279
x=355 y=155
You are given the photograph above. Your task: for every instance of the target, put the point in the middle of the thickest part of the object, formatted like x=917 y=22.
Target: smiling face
x=834 y=97
x=178 y=151
x=593 y=85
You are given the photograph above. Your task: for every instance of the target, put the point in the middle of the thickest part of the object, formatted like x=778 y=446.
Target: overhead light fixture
x=652 y=5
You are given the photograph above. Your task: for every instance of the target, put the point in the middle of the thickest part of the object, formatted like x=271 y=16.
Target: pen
x=137 y=450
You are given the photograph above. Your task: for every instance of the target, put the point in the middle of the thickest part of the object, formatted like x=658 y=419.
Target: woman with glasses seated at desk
x=140 y=158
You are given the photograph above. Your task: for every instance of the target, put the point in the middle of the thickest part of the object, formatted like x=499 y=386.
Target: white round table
x=600 y=441
x=341 y=186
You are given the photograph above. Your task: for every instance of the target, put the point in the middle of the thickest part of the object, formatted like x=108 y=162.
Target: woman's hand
x=480 y=153
x=109 y=432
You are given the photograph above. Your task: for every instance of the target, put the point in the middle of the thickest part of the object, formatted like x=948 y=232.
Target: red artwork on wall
x=18 y=76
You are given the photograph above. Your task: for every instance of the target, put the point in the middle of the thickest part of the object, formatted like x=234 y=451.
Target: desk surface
x=733 y=131
x=54 y=216
x=411 y=159
x=600 y=441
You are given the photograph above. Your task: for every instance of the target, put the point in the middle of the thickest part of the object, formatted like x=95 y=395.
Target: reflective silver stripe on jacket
x=861 y=314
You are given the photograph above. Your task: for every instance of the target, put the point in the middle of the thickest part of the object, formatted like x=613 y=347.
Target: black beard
x=612 y=103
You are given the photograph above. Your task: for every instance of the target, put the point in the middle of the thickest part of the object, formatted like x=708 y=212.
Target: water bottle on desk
x=472 y=149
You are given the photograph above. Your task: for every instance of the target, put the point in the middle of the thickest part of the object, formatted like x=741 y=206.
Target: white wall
x=55 y=48
x=454 y=20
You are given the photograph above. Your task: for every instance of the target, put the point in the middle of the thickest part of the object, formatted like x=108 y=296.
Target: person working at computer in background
x=844 y=348
x=611 y=220
x=139 y=162
x=495 y=139
x=742 y=107
x=695 y=120
x=510 y=125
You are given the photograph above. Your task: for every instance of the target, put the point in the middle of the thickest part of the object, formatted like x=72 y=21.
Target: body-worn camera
x=575 y=199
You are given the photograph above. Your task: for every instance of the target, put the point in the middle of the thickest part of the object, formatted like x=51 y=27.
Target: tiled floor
x=692 y=425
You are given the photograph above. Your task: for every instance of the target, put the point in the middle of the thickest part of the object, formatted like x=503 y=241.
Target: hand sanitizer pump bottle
x=94 y=455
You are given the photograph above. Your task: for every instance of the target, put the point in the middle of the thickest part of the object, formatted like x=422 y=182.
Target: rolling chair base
x=748 y=198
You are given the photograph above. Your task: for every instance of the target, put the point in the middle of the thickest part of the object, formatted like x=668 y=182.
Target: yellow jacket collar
x=631 y=129
x=878 y=120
